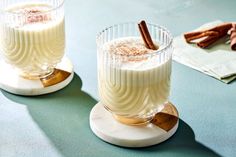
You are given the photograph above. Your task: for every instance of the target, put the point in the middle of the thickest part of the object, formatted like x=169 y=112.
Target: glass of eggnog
x=133 y=81
x=32 y=35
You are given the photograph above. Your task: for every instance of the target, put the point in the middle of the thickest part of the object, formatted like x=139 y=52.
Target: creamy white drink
x=33 y=41
x=136 y=85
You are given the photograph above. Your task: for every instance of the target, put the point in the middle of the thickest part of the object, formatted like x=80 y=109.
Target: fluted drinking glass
x=133 y=87
x=32 y=35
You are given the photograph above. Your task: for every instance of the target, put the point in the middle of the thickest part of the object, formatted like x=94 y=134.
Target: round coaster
x=13 y=83
x=162 y=127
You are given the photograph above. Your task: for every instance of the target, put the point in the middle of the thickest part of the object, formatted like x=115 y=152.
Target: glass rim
x=157 y=52
x=2 y=11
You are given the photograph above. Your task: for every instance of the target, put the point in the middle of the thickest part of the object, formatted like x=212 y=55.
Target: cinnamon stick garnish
x=233 y=37
x=146 y=36
x=143 y=37
x=209 y=36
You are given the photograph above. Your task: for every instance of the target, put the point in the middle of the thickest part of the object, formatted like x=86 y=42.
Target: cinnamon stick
x=146 y=36
x=222 y=28
x=196 y=35
x=208 y=41
x=233 y=37
x=210 y=35
x=143 y=37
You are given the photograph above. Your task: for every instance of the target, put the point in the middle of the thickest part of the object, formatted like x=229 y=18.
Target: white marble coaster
x=13 y=83
x=162 y=127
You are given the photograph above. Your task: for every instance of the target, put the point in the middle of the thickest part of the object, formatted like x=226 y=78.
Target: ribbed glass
x=32 y=35
x=134 y=86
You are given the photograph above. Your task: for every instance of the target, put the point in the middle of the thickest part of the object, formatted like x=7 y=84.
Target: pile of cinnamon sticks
x=207 y=37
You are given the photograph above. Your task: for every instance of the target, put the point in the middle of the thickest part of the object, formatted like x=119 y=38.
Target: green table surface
x=57 y=124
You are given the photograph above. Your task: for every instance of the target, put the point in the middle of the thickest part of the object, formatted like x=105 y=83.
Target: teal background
x=57 y=124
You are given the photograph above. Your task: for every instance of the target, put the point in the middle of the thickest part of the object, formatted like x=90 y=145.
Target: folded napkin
x=218 y=61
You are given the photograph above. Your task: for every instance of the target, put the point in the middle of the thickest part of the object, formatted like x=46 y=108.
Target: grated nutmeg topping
x=128 y=47
x=32 y=14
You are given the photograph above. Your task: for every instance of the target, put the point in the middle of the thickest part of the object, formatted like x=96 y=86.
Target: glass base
x=12 y=82
x=36 y=76
x=137 y=120
x=133 y=120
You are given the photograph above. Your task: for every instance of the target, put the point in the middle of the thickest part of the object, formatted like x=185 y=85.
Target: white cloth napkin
x=218 y=61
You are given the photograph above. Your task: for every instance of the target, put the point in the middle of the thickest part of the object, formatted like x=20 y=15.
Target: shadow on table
x=182 y=143
x=64 y=118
